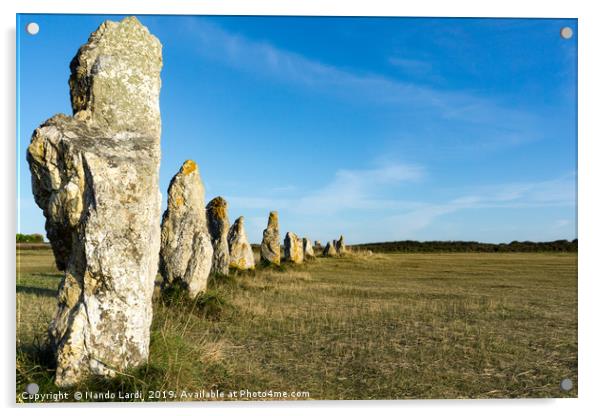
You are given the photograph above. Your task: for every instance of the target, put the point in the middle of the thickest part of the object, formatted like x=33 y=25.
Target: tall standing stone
x=308 y=250
x=293 y=248
x=270 y=245
x=96 y=177
x=340 y=246
x=219 y=225
x=186 y=250
x=241 y=253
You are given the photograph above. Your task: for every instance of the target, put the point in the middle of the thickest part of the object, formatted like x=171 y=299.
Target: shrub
x=30 y=238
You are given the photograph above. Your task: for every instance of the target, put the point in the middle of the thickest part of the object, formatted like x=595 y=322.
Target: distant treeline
x=30 y=238
x=409 y=246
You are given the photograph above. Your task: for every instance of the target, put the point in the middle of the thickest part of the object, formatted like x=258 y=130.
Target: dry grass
x=357 y=327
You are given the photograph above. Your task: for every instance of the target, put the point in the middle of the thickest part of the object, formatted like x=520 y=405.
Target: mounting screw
x=566 y=384
x=32 y=28
x=32 y=388
x=566 y=32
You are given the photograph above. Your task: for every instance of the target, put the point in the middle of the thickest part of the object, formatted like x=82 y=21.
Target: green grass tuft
x=211 y=304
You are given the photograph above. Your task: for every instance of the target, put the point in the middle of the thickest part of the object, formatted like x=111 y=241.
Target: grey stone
x=219 y=225
x=293 y=248
x=186 y=250
x=340 y=246
x=96 y=177
x=270 y=245
x=308 y=250
x=241 y=253
x=329 y=250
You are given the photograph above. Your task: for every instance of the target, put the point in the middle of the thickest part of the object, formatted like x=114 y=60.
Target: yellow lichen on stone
x=220 y=212
x=179 y=201
x=241 y=264
x=70 y=291
x=188 y=167
x=219 y=207
x=273 y=219
x=36 y=148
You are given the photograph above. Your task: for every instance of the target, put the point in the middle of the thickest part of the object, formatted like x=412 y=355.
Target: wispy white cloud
x=482 y=124
x=507 y=125
x=555 y=192
x=552 y=192
x=349 y=189
x=357 y=191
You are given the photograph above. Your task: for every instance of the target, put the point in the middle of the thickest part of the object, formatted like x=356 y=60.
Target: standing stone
x=186 y=250
x=96 y=177
x=308 y=250
x=293 y=248
x=317 y=244
x=329 y=250
x=340 y=246
x=241 y=253
x=217 y=220
x=270 y=245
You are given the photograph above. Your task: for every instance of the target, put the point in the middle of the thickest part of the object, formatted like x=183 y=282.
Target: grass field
x=386 y=326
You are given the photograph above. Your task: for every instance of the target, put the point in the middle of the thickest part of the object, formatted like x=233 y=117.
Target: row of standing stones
x=95 y=175
x=296 y=250
x=197 y=240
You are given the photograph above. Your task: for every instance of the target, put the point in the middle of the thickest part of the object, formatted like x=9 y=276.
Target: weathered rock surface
x=308 y=250
x=96 y=177
x=186 y=250
x=329 y=250
x=293 y=248
x=241 y=253
x=340 y=246
x=219 y=225
x=270 y=245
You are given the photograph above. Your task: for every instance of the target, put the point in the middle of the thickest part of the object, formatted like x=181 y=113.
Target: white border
x=590 y=185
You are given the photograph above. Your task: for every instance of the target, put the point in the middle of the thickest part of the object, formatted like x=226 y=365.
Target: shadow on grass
x=40 y=291
x=48 y=275
x=35 y=363
x=283 y=267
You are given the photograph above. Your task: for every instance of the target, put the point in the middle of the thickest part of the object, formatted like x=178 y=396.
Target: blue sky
x=376 y=128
